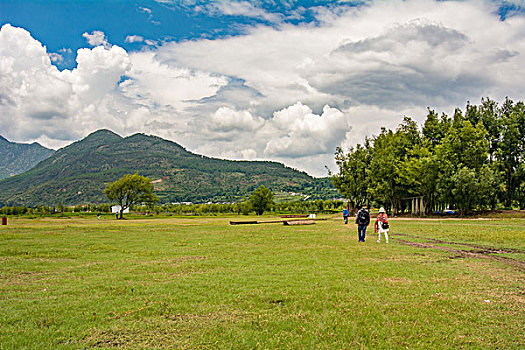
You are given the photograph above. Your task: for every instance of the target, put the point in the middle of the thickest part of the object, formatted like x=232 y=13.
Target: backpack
x=363 y=217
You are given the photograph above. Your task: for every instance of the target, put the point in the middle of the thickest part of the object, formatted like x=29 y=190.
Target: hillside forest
x=473 y=160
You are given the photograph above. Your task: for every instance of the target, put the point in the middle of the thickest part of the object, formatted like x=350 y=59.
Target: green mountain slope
x=15 y=158
x=78 y=173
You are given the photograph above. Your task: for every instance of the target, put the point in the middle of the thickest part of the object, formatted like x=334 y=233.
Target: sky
x=285 y=80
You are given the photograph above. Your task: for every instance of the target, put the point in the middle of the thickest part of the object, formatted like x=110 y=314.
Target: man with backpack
x=362 y=220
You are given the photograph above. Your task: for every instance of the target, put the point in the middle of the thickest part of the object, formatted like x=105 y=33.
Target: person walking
x=346 y=214
x=381 y=225
x=362 y=220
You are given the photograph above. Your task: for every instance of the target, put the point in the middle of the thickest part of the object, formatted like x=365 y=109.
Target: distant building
x=116 y=209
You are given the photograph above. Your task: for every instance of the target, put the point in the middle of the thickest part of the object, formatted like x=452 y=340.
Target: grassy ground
x=172 y=283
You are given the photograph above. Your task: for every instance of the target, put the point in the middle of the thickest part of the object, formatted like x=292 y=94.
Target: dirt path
x=480 y=251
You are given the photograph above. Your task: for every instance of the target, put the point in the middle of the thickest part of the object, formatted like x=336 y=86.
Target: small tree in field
x=261 y=200
x=129 y=190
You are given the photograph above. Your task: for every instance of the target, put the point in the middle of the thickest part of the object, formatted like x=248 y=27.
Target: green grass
x=197 y=282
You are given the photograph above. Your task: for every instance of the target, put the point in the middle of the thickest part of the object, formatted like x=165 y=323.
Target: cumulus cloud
x=226 y=119
x=43 y=101
x=98 y=71
x=298 y=132
x=96 y=38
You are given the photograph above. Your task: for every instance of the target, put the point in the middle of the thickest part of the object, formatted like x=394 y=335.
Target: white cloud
x=96 y=38
x=165 y=83
x=98 y=71
x=226 y=119
x=240 y=8
x=55 y=57
x=43 y=102
x=297 y=132
x=145 y=10
x=134 y=39
x=151 y=42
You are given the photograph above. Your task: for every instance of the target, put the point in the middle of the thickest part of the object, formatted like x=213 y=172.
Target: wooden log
x=309 y=222
x=299 y=222
x=243 y=222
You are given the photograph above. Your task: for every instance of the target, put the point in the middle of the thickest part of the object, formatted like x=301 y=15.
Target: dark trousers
x=361 y=232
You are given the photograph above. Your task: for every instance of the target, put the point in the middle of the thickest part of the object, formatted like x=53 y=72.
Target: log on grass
x=299 y=222
x=243 y=222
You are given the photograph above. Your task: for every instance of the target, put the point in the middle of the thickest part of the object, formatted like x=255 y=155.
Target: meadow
x=200 y=283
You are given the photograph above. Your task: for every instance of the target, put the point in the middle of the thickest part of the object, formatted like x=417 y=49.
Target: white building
x=116 y=209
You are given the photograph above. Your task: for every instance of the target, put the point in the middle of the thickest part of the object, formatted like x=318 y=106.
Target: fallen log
x=309 y=222
x=299 y=222
x=243 y=222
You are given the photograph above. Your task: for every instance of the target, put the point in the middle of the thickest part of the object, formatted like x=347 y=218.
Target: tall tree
x=465 y=145
x=512 y=145
x=491 y=120
x=352 y=179
x=261 y=200
x=129 y=190
x=384 y=182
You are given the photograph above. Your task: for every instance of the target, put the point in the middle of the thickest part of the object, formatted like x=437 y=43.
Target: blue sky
x=60 y=24
x=281 y=80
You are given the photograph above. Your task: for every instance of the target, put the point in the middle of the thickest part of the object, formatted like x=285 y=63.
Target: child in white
x=381 y=224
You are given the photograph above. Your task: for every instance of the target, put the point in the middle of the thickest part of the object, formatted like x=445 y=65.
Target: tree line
x=240 y=208
x=473 y=160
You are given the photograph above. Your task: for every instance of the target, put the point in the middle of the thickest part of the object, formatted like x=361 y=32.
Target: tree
x=261 y=200
x=352 y=180
x=511 y=152
x=129 y=190
x=435 y=129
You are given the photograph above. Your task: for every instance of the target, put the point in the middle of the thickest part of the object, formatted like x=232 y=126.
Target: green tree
x=129 y=190
x=511 y=152
x=473 y=188
x=466 y=145
x=492 y=123
x=383 y=186
x=435 y=129
x=391 y=156
x=261 y=200
x=352 y=179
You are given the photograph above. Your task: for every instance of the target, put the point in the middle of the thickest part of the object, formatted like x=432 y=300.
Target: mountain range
x=16 y=158
x=78 y=173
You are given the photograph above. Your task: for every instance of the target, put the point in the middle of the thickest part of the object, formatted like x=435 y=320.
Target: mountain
x=79 y=172
x=15 y=158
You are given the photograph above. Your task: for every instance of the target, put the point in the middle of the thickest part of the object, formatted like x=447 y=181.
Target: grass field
x=199 y=283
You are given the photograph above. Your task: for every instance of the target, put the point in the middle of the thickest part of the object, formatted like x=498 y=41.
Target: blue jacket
x=346 y=213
